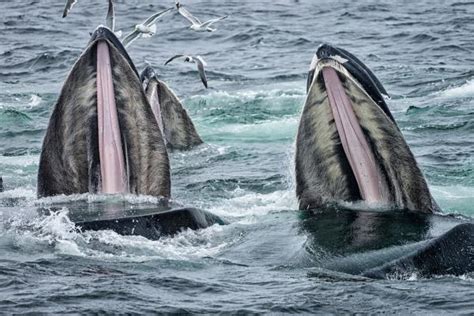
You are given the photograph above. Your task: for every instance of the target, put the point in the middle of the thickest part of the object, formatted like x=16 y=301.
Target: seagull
x=110 y=19
x=146 y=29
x=197 y=25
x=67 y=8
x=198 y=61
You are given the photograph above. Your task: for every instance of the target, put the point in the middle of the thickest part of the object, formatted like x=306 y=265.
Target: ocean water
x=422 y=51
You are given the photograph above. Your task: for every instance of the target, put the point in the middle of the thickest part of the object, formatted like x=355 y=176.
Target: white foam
x=57 y=234
x=94 y=198
x=245 y=95
x=22 y=161
x=245 y=204
x=197 y=155
x=26 y=193
x=57 y=226
x=35 y=100
x=284 y=127
x=186 y=245
x=403 y=275
x=466 y=90
x=466 y=277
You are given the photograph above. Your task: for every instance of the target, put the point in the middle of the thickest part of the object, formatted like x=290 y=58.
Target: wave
x=250 y=106
x=423 y=38
x=272 y=130
x=455 y=199
x=246 y=205
x=12 y=116
x=465 y=90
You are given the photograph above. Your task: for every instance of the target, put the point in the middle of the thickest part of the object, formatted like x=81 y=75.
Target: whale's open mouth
x=102 y=136
x=111 y=155
x=359 y=154
x=113 y=174
x=349 y=147
x=329 y=69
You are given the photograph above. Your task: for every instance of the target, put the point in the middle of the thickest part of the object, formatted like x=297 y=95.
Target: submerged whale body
x=175 y=124
x=151 y=221
x=387 y=244
x=103 y=138
x=348 y=145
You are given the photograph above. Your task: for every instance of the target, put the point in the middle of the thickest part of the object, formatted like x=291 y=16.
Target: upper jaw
x=103 y=33
x=327 y=55
x=146 y=76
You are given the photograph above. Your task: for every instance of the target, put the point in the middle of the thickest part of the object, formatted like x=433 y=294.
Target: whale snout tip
x=148 y=72
x=325 y=50
x=102 y=33
x=147 y=75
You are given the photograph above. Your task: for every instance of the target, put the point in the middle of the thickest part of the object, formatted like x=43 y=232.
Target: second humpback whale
x=103 y=138
x=349 y=146
x=175 y=124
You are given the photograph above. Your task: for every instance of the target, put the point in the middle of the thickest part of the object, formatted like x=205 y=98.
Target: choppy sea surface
x=422 y=51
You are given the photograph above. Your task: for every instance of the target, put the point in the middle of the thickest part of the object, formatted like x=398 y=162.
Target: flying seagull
x=67 y=8
x=196 y=24
x=110 y=19
x=146 y=29
x=198 y=61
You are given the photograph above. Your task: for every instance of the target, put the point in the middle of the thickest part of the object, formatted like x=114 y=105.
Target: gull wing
x=152 y=19
x=212 y=21
x=200 y=65
x=110 y=19
x=188 y=16
x=68 y=7
x=130 y=37
x=173 y=58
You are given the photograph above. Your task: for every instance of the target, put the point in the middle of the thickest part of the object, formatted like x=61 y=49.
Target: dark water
x=423 y=52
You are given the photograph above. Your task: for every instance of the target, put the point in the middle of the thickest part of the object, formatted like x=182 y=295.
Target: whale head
x=349 y=146
x=102 y=136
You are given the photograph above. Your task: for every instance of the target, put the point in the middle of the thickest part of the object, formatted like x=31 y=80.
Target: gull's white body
x=196 y=24
x=145 y=29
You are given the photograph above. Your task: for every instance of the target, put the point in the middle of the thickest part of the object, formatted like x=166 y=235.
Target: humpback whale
x=174 y=122
x=103 y=137
x=348 y=146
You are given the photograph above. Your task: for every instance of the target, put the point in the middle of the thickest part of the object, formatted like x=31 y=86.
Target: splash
x=29 y=232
